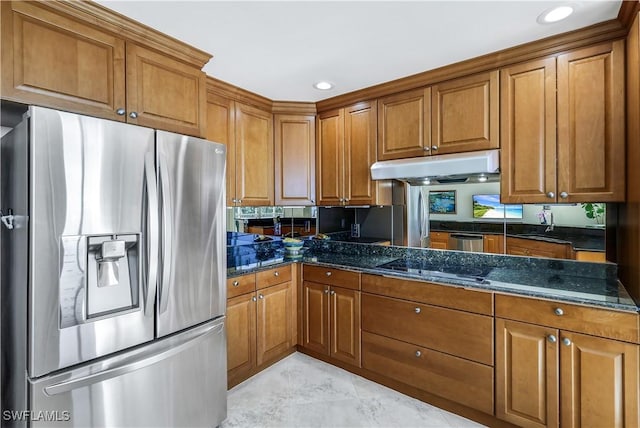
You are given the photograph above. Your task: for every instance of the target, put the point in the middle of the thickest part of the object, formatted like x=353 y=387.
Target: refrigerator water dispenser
x=112 y=277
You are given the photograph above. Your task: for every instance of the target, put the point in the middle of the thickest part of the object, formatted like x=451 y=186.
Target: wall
x=563 y=214
x=629 y=213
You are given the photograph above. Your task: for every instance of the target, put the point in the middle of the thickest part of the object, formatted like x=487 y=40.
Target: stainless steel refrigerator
x=113 y=275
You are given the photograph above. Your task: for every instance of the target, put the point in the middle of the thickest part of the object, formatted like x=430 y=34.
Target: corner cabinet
x=345 y=151
x=548 y=375
x=53 y=60
x=586 y=162
x=295 y=169
x=248 y=134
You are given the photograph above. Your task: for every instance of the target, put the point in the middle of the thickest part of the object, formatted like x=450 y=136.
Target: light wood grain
x=267 y=278
x=330 y=158
x=221 y=128
x=345 y=325
x=534 y=248
x=360 y=139
x=315 y=317
x=241 y=285
x=332 y=276
x=274 y=321
x=439 y=240
x=493 y=244
x=241 y=337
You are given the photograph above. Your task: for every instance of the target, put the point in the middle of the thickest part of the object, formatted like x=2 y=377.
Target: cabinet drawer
x=459 y=333
x=331 y=276
x=240 y=285
x=582 y=319
x=425 y=292
x=273 y=276
x=456 y=379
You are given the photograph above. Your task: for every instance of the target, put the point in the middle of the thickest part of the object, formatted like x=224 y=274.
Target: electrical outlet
x=355 y=230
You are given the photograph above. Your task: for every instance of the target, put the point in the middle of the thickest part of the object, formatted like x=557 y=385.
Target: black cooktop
x=424 y=267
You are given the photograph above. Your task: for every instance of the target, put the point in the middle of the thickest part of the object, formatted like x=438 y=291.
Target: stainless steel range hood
x=470 y=167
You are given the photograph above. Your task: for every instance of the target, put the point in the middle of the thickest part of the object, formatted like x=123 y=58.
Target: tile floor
x=300 y=391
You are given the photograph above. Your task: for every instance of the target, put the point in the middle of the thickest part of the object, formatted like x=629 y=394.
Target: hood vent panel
x=456 y=168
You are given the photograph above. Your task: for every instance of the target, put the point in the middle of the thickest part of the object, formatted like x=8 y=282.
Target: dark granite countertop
x=593 y=284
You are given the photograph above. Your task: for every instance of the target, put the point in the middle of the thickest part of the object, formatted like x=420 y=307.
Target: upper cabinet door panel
x=295 y=148
x=404 y=124
x=360 y=153
x=591 y=133
x=164 y=93
x=465 y=114
x=50 y=60
x=254 y=156
x=528 y=133
x=329 y=157
x=221 y=129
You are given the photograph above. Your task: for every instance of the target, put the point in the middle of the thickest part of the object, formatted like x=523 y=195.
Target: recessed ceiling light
x=323 y=85
x=555 y=14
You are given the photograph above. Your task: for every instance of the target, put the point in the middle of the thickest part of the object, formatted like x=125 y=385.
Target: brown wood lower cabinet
x=331 y=321
x=546 y=377
x=260 y=323
x=439 y=240
x=535 y=248
x=456 y=379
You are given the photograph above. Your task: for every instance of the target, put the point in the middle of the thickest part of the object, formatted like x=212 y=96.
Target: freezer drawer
x=177 y=381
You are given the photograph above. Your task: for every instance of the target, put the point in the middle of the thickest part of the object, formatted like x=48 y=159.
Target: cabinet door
x=599 y=379
x=164 y=93
x=241 y=337
x=295 y=160
x=360 y=153
x=404 y=125
x=439 y=240
x=315 y=317
x=465 y=114
x=274 y=324
x=528 y=132
x=493 y=244
x=254 y=156
x=526 y=374
x=57 y=62
x=591 y=133
x=221 y=129
x=330 y=158
x=531 y=247
x=345 y=325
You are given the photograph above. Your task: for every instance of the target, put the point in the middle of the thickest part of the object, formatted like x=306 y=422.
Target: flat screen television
x=489 y=206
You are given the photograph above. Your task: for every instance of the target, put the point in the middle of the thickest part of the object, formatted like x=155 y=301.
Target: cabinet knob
x=260 y=296
x=133 y=115
x=418 y=353
x=564 y=195
x=346 y=200
x=551 y=195
x=434 y=148
x=254 y=299
x=276 y=273
x=121 y=111
x=566 y=341
x=326 y=291
x=236 y=283
x=332 y=292
x=312 y=201
x=328 y=273
x=427 y=149
x=418 y=310
x=558 y=311
x=552 y=338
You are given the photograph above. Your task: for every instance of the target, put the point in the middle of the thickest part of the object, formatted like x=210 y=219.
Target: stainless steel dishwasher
x=466 y=242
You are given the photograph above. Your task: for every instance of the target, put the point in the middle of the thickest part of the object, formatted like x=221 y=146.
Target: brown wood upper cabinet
x=52 y=60
x=248 y=134
x=295 y=169
x=345 y=151
x=586 y=162
x=464 y=114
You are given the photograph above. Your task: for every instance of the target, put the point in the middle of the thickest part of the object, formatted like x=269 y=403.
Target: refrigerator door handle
x=167 y=233
x=152 y=234
x=142 y=362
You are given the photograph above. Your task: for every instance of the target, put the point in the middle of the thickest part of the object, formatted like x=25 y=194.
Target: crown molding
x=294 y=107
x=227 y=90
x=122 y=26
x=629 y=9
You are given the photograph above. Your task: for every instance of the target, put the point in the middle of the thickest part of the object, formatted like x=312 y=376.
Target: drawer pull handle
x=558 y=311
x=253 y=299
x=276 y=273
x=328 y=273
x=418 y=353
x=552 y=338
x=236 y=283
x=418 y=310
x=261 y=297
x=566 y=341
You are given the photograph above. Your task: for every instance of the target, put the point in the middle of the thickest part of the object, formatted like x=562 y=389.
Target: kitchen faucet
x=550 y=227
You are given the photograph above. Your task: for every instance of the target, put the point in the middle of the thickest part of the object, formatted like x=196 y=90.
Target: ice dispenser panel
x=112 y=274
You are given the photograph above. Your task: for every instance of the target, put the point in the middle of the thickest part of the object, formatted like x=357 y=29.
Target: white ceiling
x=278 y=49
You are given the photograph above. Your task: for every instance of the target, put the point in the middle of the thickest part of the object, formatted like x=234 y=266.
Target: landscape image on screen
x=489 y=206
